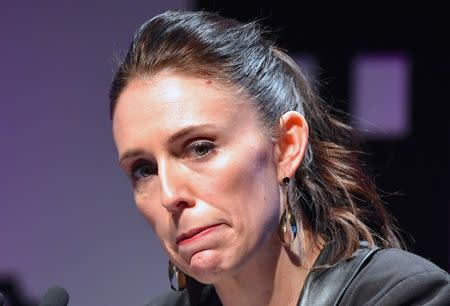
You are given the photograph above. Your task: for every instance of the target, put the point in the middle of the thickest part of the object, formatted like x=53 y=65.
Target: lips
x=194 y=233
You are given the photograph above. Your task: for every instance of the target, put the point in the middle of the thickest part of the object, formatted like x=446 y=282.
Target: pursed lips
x=193 y=232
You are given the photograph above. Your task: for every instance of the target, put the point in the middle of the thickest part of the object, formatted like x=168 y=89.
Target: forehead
x=168 y=102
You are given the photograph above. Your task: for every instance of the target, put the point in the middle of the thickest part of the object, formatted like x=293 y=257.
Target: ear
x=291 y=144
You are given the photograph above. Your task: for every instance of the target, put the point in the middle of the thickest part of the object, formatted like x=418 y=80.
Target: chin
x=209 y=267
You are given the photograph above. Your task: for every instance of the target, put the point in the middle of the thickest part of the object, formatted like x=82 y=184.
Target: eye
x=201 y=148
x=142 y=171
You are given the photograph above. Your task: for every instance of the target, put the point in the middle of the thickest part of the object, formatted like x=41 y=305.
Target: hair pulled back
x=331 y=190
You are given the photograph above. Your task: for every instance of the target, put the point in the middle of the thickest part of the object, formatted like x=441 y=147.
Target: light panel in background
x=380 y=95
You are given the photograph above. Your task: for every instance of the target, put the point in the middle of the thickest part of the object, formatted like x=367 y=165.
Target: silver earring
x=287 y=229
x=178 y=280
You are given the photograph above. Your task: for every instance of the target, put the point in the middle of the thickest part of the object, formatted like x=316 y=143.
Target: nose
x=175 y=195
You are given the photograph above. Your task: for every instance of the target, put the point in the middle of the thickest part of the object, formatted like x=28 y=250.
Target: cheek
x=151 y=212
x=157 y=217
x=247 y=181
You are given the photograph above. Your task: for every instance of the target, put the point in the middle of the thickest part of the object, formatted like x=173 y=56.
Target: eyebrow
x=187 y=130
x=173 y=138
x=131 y=154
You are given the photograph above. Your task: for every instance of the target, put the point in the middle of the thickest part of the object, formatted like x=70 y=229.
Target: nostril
x=182 y=204
x=178 y=206
x=176 y=202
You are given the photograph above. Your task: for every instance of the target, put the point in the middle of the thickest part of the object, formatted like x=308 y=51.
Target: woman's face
x=204 y=175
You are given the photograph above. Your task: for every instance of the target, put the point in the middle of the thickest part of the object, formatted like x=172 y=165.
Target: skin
x=208 y=181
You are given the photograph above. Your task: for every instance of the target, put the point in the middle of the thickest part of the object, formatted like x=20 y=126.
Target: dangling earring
x=177 y=278
x=287 y=230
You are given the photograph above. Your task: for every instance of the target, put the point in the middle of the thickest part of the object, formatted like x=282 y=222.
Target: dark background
x=415 y=170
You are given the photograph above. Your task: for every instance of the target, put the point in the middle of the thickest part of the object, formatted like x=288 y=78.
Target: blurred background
x=67 y=215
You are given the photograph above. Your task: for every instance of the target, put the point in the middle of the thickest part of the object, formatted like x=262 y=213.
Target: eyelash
x=139 y=166
x=190 y=151
x=205 y=144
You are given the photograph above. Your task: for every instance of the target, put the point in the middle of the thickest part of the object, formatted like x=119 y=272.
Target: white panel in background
x=380 y=95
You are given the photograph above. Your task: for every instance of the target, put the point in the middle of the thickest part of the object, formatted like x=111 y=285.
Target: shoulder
x=394 y=276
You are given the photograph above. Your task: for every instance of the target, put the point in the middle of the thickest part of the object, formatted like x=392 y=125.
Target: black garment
x=372 y=277
x=396 y=277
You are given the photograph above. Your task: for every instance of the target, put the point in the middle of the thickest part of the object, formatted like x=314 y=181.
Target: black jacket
x=371 y=277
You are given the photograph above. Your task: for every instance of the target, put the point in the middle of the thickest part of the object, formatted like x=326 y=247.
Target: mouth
x=195 y=233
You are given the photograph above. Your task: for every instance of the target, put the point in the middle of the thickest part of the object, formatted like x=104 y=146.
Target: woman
x=252 y=186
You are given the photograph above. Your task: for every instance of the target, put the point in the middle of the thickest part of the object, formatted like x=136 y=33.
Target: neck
x=273 y=277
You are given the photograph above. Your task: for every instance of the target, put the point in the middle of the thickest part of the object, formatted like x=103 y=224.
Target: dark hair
x=331 y=192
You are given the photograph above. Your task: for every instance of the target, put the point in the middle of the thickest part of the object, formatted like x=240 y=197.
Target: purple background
x=380 y=95
x=67 y=215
